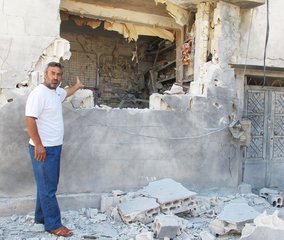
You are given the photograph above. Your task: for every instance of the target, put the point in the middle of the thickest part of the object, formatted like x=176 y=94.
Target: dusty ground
x=91 y=224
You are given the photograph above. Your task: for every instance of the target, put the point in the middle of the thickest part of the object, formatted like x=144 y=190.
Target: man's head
x=53 y=74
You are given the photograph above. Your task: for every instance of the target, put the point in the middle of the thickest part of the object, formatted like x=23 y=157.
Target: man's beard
x=52 y=85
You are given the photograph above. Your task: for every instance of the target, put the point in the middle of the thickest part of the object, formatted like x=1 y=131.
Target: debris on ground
x=164 y=209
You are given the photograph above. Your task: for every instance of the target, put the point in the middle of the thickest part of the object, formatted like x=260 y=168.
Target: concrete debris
x=132 y=216
x=233 y=218
x=175 y=89
x=265 y=227
x=273 y=196
x=206 y=236
x=171 y=195
x=264 y=192
x=166 y=226
x=140 y=209
x=144 y=236
x=112 y=200
x=83 y=98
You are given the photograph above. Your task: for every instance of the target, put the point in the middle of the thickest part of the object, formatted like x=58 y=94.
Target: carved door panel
x=264 y=158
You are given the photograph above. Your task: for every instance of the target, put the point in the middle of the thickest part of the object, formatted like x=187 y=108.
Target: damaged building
x=190 y=90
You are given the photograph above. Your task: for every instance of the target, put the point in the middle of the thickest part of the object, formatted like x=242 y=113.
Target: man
x=44 y=122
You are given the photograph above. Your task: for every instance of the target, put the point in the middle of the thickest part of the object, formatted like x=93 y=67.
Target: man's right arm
x=31 y=125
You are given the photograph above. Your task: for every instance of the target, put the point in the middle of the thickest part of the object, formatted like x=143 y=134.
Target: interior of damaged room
x=122 y=63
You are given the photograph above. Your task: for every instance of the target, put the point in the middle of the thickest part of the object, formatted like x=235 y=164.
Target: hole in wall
x=120 y=74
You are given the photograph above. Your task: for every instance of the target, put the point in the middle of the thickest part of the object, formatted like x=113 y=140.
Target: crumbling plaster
x=24 y=34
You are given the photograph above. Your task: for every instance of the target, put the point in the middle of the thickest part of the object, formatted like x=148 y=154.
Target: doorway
x=264 y=157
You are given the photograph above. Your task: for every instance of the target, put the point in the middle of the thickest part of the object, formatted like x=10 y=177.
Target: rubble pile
x=165 y=210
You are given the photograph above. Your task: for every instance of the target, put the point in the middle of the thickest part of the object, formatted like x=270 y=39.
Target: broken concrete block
x=175 y=89
x=275 y=200
x=244 y=188
x=83 y=98
x=206 y=236
x=272 y=196
x=264 y=192
x=166 y=226
x=111 y=200
x=157 y=103
x=172 y=196
x=233 y=218
x=141 y=209
x=144 y=236
x=265 y=227
x=114 y=214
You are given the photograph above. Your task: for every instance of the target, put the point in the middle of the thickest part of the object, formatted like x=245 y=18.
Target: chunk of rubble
x=265 y=227
x=166 y=226
x=140 y=209
x=175 y=89
x=204 y=235
x=83 y=98
x=273 y=196
x=144 y=236
x=112 y=199
x=171 y=195
x=265 y=192
x=233 y=218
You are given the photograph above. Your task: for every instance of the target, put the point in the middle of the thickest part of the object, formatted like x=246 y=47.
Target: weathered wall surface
x=253 y=34
x=26 y=29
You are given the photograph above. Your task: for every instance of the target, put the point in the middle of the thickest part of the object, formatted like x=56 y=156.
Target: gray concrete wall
x=125 y=149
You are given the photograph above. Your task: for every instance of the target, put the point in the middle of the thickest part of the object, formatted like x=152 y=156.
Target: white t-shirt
x=45 y=105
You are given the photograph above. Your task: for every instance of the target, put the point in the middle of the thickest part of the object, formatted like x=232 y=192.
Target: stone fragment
x=139 y=209
x=275 y=200
x=175 y=89
x=166 y=226
x=265 y=192
x=264 y=227
x=172 y=196
x=144 y=236
x=111 y=200
x=206 y=236
x=233 y=218
x=14 y=218
x=99 y=218
x=273 y=196
x=83 y=98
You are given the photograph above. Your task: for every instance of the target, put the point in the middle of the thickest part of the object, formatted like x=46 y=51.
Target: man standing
x=44 y=122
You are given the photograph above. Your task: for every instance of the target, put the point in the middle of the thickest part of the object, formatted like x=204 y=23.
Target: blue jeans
x=47 y=177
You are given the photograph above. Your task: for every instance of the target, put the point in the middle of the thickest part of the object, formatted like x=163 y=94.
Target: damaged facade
x=131 y=125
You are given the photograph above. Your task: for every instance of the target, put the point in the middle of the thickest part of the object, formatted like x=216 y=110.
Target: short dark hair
x=54 y=64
